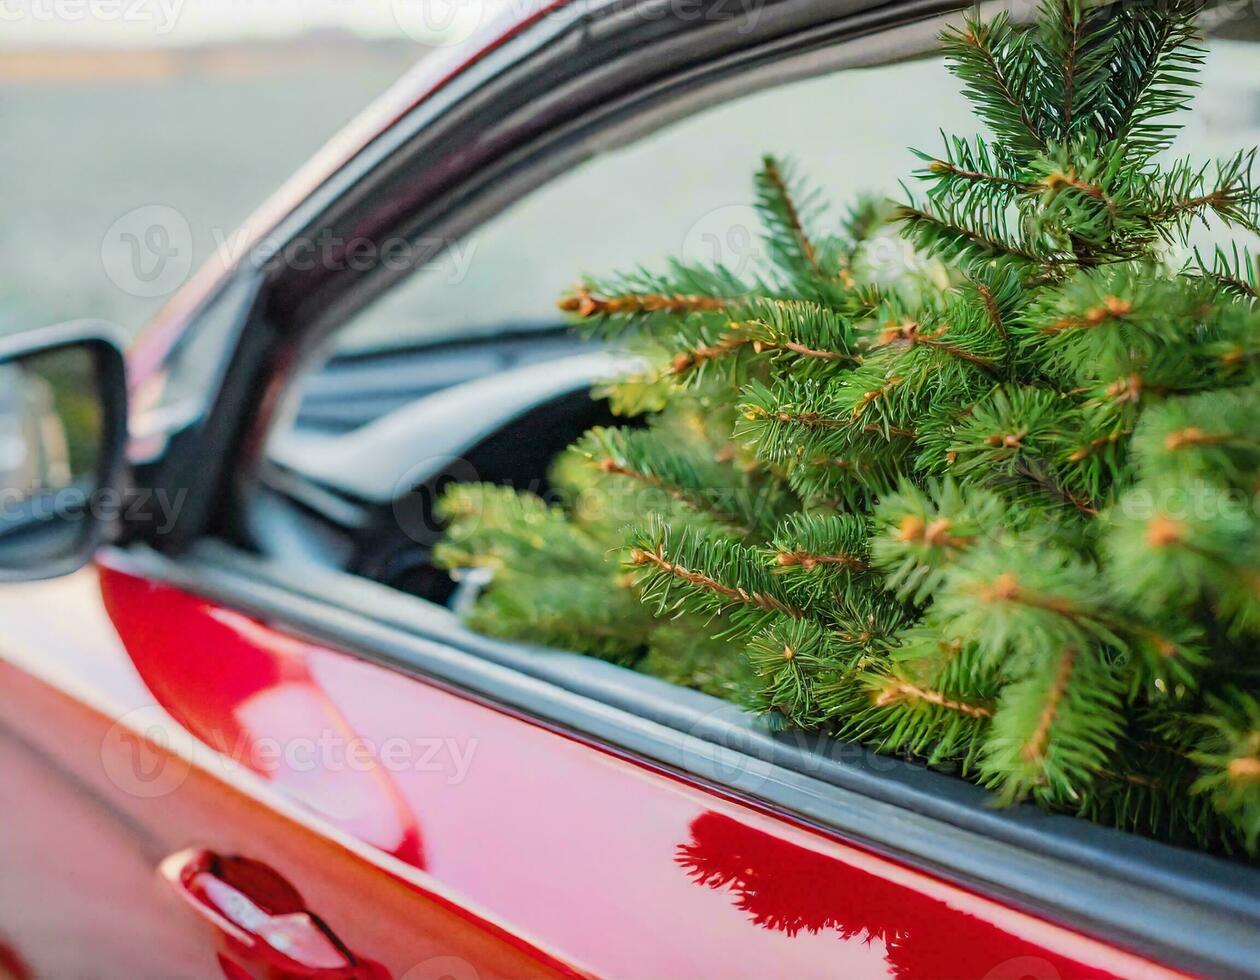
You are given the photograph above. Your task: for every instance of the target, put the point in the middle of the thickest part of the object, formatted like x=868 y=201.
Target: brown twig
x=808 y=562
x=893 y=690
x=1111 y=308
x=586 y=304
x=640 y=556
x=911 y=334
x=1035 y=750
x=775 y=177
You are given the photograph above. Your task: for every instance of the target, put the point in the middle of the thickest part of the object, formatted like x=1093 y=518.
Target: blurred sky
x=163 y=23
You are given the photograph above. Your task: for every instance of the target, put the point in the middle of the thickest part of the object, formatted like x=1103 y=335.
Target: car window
x=684 y=191
x=460 y=363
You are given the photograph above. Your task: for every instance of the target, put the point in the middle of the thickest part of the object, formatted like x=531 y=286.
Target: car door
x=225 y=795
x=134 y=845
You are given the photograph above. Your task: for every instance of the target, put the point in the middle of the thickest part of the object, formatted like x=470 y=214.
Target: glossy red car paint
x=430 y=834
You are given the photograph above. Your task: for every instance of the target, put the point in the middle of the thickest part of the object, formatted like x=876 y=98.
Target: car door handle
x=262 y=916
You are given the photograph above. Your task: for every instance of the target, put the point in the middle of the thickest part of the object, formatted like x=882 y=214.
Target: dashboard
x=375 y=438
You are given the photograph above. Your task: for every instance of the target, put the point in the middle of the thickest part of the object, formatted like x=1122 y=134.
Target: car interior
x=376 y=438
x=467 y=371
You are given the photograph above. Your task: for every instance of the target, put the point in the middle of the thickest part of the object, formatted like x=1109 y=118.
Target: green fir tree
x=998 y=511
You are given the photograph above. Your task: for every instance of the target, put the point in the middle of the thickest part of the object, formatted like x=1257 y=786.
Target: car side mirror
x=63 y=432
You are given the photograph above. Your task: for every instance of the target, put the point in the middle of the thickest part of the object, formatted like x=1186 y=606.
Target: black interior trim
x=1182 y=907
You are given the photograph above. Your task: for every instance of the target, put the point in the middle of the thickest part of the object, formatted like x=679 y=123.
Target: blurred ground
x=208 y=132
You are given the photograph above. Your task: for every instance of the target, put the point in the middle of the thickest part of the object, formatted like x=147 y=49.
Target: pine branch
x=767 y=411
x=1054 y=729
x=973 y=171
x=1197 y=544
x=799 y=331
x=809 y=560
x=1237 y=271
x=1154 y=75
x=1183 y=194
x=792 y=246
x=972 y=234
x=577 y=612
x=992 y=309
x=693 y=572
x=1210 y=436
x=695 y=480
x=897 y=714
x=1001 y=77
x=821 y=556
x=587 y=304
x=1079 y=50
x=1229 y=753
x=643 y=301
x=728 y=344
x=890 y=690
x=1034 y=750
x=921 y=534
x=683 y=651
x=911 y=334
x=1073 y=32
x=1111 y=308
x=791 y=660
x=946 y=169
x=707 y=583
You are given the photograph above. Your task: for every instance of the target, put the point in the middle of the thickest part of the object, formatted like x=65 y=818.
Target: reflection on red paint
x=12 y=966
x=790 y=889
x=247 y=692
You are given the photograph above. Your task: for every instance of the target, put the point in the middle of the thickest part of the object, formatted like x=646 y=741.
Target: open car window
x=684 y=191
x=469 y=359
x=467 y=371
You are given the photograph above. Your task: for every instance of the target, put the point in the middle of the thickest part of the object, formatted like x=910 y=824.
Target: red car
x=243 y=731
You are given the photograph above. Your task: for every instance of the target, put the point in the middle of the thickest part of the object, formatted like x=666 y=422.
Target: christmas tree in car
x=996 y=512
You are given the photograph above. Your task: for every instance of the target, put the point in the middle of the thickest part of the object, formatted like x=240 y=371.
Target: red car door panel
x=430 y=835
x=102 y=787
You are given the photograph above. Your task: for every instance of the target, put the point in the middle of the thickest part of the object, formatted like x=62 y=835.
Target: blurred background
x=207 y=106
x=203 y=106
